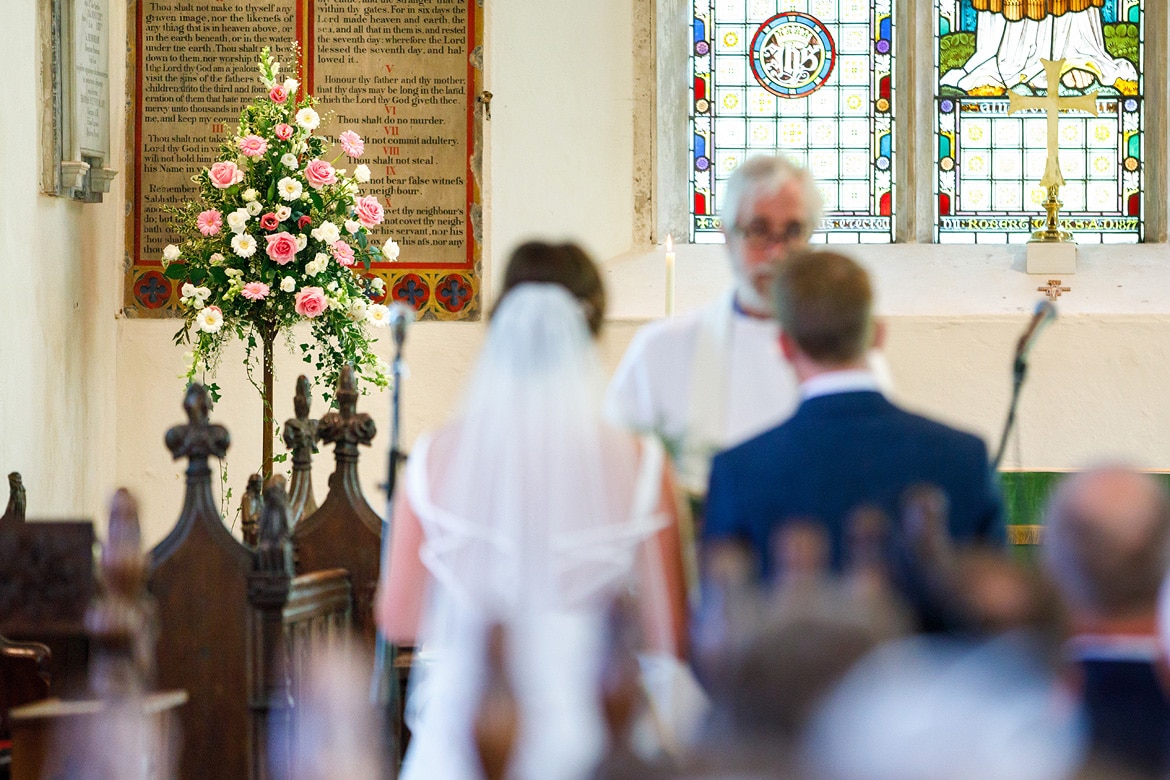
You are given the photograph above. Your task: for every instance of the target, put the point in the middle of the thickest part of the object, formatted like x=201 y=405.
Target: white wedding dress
x=535 y=515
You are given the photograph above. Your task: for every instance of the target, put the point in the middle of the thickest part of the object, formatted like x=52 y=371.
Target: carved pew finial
x=300 y=436
x=346 y=427
x=120 y=622
x=251 y=507
x=14 y=512
x=198 y=439
x=273 y=546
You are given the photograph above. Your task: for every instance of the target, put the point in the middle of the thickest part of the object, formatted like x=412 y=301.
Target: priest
x=711 y=379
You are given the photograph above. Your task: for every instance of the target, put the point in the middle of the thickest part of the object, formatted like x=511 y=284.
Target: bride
x=529 y=511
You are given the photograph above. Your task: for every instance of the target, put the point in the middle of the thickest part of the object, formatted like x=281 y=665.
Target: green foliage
x=1121 y=40
x=954 y=50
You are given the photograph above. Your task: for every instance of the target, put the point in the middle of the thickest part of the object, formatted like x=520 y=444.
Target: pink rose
x=283 y=131
x=319 y=174
x=254 y=291
x=269 y=221
x=310 y=301
x=342 y=252
x=225 y=174
x=352 y=143
x=304 y=221
x=369 y=211
x=209 y=222
x=282 y=247
x=277 y=94
x=253 y=145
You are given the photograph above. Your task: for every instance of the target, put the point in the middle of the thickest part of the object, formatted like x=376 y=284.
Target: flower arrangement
x=279 y=237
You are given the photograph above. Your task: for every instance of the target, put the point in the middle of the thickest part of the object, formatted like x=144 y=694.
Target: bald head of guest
x=1107 y=543
x=769 y=208
x=824 y=304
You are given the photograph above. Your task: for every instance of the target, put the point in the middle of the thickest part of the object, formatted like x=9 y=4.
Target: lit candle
x=669 y=277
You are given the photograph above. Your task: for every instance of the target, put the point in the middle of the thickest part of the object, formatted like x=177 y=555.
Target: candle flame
x=669 y=244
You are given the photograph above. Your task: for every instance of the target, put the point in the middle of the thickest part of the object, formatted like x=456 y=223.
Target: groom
x=846 y=446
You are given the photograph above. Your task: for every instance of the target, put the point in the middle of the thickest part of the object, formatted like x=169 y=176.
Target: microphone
x=1044 y=314
x=401 y=315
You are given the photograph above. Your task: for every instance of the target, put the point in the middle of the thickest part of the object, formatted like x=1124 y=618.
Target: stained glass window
x=990 y=162
x=812 y=79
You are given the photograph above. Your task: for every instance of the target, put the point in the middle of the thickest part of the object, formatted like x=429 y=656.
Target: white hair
x=766 y=175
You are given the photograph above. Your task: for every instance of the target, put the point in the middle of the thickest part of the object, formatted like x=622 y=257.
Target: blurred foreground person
x=338 y=732
x=1107 y=546
x=528 y=511
x=930 y=708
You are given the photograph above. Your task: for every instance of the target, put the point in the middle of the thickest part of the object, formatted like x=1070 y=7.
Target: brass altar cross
x=1053 y=289
x=1052 y=104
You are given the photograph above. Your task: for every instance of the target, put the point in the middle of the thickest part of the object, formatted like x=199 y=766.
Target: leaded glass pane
x=990 y=162
x=812 y=79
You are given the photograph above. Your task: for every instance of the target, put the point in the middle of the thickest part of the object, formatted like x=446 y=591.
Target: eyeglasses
x=758 y=236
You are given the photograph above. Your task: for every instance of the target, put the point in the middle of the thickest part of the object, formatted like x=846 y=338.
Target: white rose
x=216 y=259
x=357 y=309
x=352 y=226
x=326 y=233
x=250 y=195
x=238 y=220
x=288 y=284
x=290 y=161
x=317 y=264
x=209 y=319
x=390 y=250
x=283 y=213
x=244 y=245
x=254 y=208
x=302 y=241
x=378 y=284
x=307 y=118
x=378 y=315
x=170 y=253
x=290 y=86
x=362 y=173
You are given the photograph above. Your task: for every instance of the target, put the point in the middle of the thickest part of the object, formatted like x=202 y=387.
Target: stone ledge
x=922 y=280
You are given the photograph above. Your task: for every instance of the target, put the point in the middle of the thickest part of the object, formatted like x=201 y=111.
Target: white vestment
x=703 y=382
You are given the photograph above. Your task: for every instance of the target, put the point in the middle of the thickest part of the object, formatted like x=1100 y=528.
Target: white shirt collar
x=850 y=381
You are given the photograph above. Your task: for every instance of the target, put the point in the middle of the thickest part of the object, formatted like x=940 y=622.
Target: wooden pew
x=46 y=582
x=235 y=621
x=345 y=532
x=121 y=728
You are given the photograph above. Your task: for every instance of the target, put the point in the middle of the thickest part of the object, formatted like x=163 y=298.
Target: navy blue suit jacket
x=842 y=451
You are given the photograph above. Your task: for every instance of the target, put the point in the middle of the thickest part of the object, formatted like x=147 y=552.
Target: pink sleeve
x=401 y=591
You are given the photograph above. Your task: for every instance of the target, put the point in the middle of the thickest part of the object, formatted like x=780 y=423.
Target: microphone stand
x=1045 y=313
x=1019 y=372
x=384 y=689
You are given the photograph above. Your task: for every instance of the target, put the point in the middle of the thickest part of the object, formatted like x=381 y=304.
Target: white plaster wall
x=560 y=151
x=60 y=265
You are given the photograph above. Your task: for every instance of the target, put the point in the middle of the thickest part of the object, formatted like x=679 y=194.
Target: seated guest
x=847 y=446
x=1106 y=546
